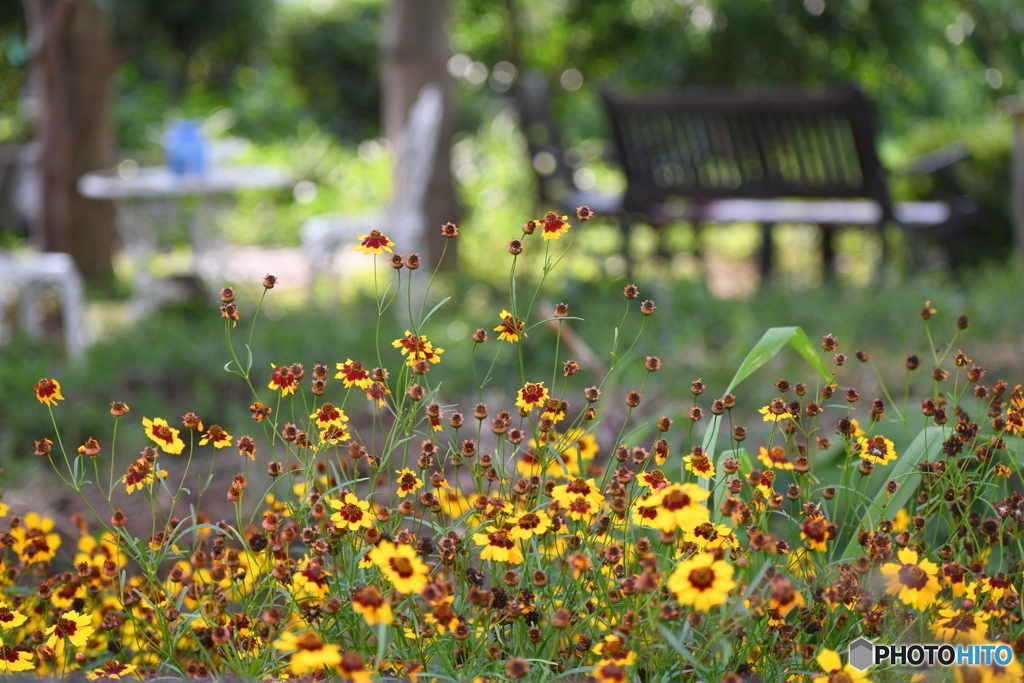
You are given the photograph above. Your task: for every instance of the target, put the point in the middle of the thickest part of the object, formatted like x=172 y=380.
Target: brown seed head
x=269 y=281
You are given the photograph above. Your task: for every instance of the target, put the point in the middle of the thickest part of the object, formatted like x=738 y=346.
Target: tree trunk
x=415 y=51
x=72 y=69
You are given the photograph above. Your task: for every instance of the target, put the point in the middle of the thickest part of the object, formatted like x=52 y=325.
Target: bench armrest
x=939 y=159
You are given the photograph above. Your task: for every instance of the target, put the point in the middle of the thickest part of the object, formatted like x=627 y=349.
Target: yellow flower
x=553 y=226
x=368 y=602
x=567 y=493
x=12 y=660
x=9 y=618
x=498 y=546
x=511 y=328
x=33 y=542
x=709 y=535
x=814 y=531
x=112 y=670
x=878 y=449
x=401 y=566
x=71 y=626
x=374 y=243
x=677 y=505
x=699 y=463
x=48 y=391
x=329 y=416
x=164 y=435
x=352 y=374
x=140 y=473
x=775 y=458
x=408 y=482
x=218 y=436
x=417 y=347
x=914 y=580
x=312 y=581
x=352 y=513
x=702 y=582
x=960 y=626
x=283 y=380
x=832 y=665
x=775 y=411
x=309 y=652
x=530 y=524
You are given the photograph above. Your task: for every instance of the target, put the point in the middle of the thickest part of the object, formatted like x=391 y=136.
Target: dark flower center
x=701 y=578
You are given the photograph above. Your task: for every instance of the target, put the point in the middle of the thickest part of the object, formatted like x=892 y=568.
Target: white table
x=149 y=196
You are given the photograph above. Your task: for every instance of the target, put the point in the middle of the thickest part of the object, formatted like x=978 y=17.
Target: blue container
x=186 y=148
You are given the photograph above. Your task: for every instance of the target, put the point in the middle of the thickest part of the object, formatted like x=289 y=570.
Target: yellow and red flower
x=511 y=328
x=408 y=482
x=352 y=513
x=832 y=665
x=530 y=524
x=369 y=603
x=960 y=625
x=775 y=458
x=913 y=579
x=71 y=626
x=140 y=473
x=677 y=506
x=775 y=411
x=13 y=660
x=10 y=618
x=283 y=379
x=532 y=394
x=309 y=652
x=702 y=582
x=48 y=391
x=417 y=347
x=699 y=463
x=217 y=436
x=112 y=670
x=327 y=416
x=553 y=225
x=374 y=243
x=498 y=546
x=164 y=435
x=401 y=566
x=352 y=374
x=877 y=449
x=33 y=540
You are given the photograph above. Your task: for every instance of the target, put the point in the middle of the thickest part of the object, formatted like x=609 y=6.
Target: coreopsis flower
x=814 y=532
x=553 y=225
x=408 y=482
x=48 y=391
x=399 y=563
x=775 y=458
x=375 y=243
x=532 y=394
x=112 y=670
x=609 y=672
x=960 y=625
x=33 y=540
x=835 y=672
x=613 y=649
x=352 y=373
x=995 y=587
x=247 y=447
x=511 y=328
x=699 y=463
x=12 y=660
x=91 y=448
x=329 y=416
x=164 y=435
x=352 y=513
x=702 y=582
x=217 y=436
x=587 y=488
x=309 y=652
x=775 y=411
x=312 y=581
x=283 y=380
x=369 y=603
x=352 y=669
x=498 y=546
x=417 y=347
x=10 y=618
x=259 y=411
x=70 y=626
x=677 y=506
x=913 y=579
x=376 y=391
x=709 y=535
x=877 y=449
x=230 y=313
x=530 y=524
x=654 y=479
x=44 y=447
x=140 y=473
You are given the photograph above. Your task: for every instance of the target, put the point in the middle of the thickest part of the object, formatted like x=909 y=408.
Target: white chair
x=31 y=274
x=403 y=220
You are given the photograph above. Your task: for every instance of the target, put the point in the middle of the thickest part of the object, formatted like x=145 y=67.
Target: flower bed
x=404 y=537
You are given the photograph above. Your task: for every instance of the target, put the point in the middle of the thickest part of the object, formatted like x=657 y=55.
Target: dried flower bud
x=269 y=281
x=413 y=261
x=227 y=295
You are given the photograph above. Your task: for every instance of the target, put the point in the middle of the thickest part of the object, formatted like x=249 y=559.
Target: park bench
x=786 y=156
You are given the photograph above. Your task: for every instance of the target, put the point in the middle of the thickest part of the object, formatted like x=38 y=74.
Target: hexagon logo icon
x=861 y=654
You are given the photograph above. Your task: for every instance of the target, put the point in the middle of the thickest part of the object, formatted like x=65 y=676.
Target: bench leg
x=767 y=251
x=828 y=251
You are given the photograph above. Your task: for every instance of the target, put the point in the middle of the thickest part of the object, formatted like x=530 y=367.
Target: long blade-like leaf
x=927 y=446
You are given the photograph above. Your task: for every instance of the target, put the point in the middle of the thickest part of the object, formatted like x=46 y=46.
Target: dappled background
x=310 y=86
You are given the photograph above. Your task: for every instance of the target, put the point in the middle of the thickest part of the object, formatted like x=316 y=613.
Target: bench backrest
x=707 y=145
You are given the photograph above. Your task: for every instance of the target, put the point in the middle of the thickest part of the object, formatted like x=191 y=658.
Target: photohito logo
x=863 y=654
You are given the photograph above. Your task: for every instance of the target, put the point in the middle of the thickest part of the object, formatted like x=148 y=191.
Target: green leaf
x=771 y=342
x=433 y=310
x=927 y=446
